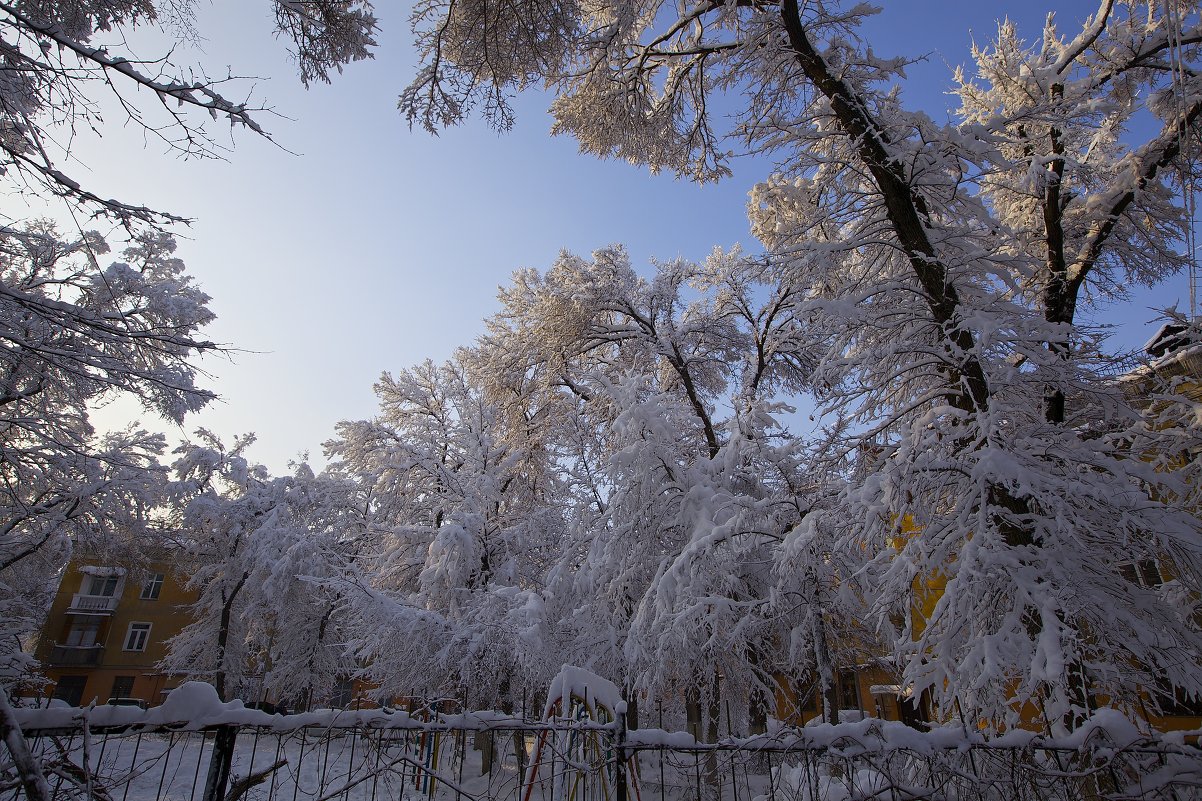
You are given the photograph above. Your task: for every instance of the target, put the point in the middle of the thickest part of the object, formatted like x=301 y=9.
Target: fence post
x=220 y=760
x=620 y=752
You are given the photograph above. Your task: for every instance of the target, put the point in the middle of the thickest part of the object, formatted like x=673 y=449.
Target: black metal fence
x=242 y=755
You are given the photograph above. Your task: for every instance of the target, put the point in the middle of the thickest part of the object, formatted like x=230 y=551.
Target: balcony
x=92 y=604
x=76 y=654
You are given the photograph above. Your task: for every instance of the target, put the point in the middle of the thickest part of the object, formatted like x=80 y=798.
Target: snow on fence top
x=195 y=705
x=1106 y=729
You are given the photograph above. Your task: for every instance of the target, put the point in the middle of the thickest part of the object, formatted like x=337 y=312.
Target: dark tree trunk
x=223 y=635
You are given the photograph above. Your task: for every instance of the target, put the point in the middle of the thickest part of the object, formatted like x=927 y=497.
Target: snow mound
x=595 y=691
x=192 y=700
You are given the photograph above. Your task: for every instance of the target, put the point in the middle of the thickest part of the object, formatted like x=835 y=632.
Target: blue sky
x=358 y=246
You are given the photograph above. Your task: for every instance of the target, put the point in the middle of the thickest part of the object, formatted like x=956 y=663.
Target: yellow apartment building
x=107 y=630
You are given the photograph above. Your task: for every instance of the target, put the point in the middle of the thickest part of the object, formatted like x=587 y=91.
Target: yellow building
x=868 y=690
x=107 y=629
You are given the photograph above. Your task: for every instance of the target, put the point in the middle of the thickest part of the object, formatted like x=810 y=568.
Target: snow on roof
x=97 y=570
x=889 y=689
x=1173 y=339
x=1165 y=330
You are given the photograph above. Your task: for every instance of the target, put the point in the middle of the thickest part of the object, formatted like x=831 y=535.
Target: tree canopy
x=61 y=55
x=938 y=278
x=611 y=472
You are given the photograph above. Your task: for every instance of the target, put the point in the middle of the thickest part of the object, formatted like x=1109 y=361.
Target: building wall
x=867 y=691
x=95 y=672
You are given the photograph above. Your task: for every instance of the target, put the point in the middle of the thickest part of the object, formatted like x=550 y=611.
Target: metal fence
x=128 y=755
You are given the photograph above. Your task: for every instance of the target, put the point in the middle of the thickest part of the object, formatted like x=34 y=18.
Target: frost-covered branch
x=54 y=56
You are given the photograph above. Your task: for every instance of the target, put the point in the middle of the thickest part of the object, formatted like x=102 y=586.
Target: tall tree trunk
x=631 y=697
x=702 y=712
x=519 y=738
x=692 y=713
x=482 y=741
x=906 y=208
x=713 y=717
x=221 y=760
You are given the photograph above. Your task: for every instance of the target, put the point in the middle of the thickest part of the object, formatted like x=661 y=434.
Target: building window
x=104 y=586
x=136 y=637
x=152 y=588
x=70 y=689
x=123 y=687
x=343 y=694
x=83 y=632
x=1145 y=573
x=1184 y=704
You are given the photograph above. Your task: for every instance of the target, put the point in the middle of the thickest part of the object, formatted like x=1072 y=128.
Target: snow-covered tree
x=956 y=342
x=448 y=590
x=62 y=55
x=262 y=550
x=76 y=334
x=73 y=333
x=938 y=274
x=680 y=483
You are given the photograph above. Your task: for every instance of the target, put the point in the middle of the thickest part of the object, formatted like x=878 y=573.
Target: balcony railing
x=101 y=604
x=76 y=654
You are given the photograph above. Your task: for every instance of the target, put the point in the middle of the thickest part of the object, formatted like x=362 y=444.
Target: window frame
x=125 y=683
x=141 y=627
x=70 y=688
x=152 y=588
x=111 y=583
x=1144 y=573
x=848 y=684
x=79 y=631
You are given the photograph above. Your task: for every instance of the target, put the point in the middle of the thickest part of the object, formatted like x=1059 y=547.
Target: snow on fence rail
x=175 y=752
